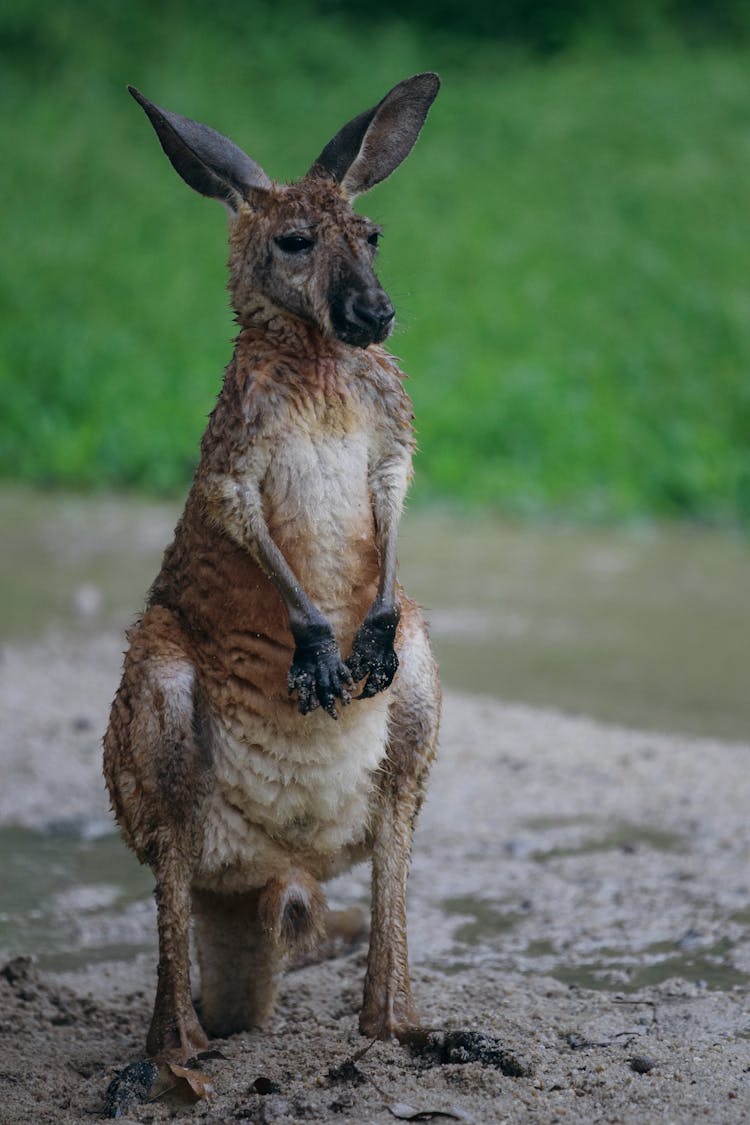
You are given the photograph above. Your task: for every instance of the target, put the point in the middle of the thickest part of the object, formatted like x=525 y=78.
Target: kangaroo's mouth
x=356 y=335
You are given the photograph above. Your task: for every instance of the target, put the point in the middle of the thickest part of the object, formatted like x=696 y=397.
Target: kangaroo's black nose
x=362 y=315
x=377 y=316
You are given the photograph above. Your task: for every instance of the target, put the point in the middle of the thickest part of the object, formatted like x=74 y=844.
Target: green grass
x=568 y=249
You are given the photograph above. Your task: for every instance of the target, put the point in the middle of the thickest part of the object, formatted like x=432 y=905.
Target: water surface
x=648 y=626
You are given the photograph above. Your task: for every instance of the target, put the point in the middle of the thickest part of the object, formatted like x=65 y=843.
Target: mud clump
x=346 y=1074
x=442 y=1048
x=131 y=1087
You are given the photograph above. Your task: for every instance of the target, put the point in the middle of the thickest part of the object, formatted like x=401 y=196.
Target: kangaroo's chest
x=317 y=478
x=318 y=507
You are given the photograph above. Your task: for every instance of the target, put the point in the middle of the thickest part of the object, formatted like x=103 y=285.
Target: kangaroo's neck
x=274 y=339
x=265 y=325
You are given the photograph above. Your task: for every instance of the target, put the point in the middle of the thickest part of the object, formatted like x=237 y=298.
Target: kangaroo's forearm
x=237 y=509
x=389 y=483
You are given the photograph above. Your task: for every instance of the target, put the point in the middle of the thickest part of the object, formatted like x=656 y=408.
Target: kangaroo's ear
x=207 y=161
x=371 y=146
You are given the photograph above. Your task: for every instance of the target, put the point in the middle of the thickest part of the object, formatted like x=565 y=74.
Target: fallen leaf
x=199 y=1083
x=408 y=1113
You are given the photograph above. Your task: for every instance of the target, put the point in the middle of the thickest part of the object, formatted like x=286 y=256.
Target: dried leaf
x=199 y=1083
x=408 y=1113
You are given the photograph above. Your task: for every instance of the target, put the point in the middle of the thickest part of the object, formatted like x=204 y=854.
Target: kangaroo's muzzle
x=362 y=317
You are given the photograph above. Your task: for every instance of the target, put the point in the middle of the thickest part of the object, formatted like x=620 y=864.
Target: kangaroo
x=278 y=595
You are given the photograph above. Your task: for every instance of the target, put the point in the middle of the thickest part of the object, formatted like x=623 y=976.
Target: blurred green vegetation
x=568 y=248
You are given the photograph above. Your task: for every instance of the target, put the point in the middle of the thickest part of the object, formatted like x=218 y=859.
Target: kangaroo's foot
x=390 y=1017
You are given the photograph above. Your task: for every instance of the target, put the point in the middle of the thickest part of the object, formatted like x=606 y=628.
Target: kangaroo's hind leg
x=414 y=716
x=157 y=773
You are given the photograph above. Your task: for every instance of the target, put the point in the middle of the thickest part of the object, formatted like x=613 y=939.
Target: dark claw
x=379 y=679
x=306 y=700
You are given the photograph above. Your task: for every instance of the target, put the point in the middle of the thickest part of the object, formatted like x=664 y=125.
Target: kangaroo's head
x=301 y=248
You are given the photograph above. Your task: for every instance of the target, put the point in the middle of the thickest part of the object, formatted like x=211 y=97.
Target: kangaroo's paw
x=373 y=655
x=175 y=1039
x=318 y=674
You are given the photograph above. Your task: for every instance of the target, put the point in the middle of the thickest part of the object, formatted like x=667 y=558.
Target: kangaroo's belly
x=287 y=794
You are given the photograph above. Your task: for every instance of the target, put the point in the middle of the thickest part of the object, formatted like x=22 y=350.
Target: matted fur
x=241 y=803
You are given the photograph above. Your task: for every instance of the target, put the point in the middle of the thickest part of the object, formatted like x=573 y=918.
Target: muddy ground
x=580 y=893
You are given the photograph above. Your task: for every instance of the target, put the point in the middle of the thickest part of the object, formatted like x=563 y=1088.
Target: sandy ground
x=580 y=893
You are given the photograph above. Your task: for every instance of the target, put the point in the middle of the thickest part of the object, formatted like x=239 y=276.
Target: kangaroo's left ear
x=371 y=146
x=208 y=161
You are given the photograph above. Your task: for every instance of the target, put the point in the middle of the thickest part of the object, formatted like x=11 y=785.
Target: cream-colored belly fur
x=295 y=797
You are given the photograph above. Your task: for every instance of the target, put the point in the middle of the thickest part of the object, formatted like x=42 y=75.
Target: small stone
x=265 y=1086
x=642 y=1064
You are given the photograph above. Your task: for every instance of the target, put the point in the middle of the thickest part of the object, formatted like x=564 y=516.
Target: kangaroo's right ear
x=372 y=145
x=207 y=161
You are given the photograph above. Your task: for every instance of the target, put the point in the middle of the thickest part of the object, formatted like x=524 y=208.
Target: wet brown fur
x=205 y=675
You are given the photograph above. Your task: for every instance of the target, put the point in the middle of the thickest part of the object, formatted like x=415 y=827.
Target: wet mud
x=580 y=903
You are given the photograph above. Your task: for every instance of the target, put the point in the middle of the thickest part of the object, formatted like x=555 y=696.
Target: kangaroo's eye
x=374 y=238
x=293 y=243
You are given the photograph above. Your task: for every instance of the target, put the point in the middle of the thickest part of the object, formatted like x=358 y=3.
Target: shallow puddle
x=623 y=837
x=489 y=918
x=711 y=968
x=618 y=970
x=72 y=895
x=647 y=625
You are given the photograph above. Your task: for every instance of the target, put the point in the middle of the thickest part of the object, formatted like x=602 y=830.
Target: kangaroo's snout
x=362 y=316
